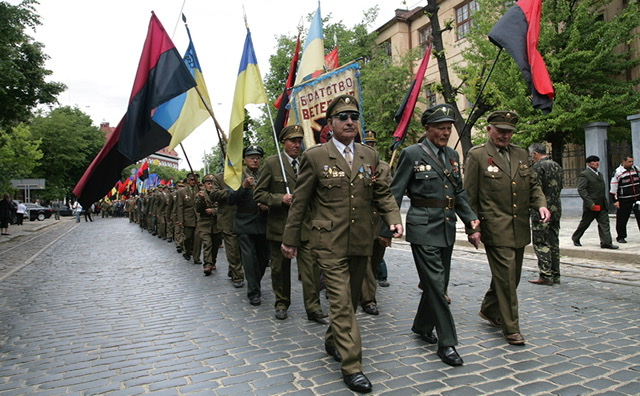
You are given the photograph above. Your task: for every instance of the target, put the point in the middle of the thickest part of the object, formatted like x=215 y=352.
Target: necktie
x=441 y=155
x=504 y=153
x=347 y=156
x=294 y=165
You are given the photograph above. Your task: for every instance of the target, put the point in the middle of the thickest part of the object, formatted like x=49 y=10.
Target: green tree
x=22 y=71
x=69 y=144
x=19 y=155
x=587 y=57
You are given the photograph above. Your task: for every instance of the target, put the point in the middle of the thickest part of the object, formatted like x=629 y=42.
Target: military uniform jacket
x=186 y=209
x=422 y=178
x=501 y=198
x=226 y=212
x=340 y=201
x=591 y=189
x=207 y=220
x=550 y=176
x=249 y=219
x=269 y=191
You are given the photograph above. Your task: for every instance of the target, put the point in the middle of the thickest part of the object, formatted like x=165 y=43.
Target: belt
x=448 y=203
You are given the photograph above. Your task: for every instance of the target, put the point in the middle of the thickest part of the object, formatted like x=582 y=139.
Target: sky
x=95 y=46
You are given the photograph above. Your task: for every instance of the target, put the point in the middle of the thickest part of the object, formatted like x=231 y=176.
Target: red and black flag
x=282 y=102
x=161 y=76
x=143 y=172
x=518 y=32
x=405 y=111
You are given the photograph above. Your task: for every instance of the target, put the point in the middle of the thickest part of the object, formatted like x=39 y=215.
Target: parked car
x=65 y=210
x=38 y=212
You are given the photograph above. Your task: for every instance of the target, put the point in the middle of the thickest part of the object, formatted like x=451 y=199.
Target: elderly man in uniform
x=271 y=191
x=207 y=225
x=250 y=223
x=338 y=184
x=429 y=173
x=186 y=211
x=501 y=188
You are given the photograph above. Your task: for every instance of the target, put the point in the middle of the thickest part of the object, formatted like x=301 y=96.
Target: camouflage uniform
x=546 y=241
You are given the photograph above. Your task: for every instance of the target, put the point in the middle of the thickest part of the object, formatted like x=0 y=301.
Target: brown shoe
x=515 y=339
x=541 y=281
x=492 y=322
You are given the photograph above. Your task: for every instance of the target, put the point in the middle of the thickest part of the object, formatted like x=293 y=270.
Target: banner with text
x=309 y=101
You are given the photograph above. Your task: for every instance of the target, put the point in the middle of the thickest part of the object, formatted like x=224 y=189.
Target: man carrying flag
x=161 y=76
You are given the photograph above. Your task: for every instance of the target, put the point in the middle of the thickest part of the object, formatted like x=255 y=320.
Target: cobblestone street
x=108 y=309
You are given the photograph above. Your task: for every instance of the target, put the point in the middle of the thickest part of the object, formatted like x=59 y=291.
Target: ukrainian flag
x=184 y=113
x=249 y=90
x=313 y=52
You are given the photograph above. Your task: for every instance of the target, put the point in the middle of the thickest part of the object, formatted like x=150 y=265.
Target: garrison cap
x=593 y=158
x=439 y=113
x=503 y=119
x=252 y=150
x=342 y=103
x=370 y=137
x=291 y=132
x=208 y=178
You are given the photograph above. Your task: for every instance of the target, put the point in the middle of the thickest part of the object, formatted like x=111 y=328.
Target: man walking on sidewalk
x=625 y=191
x=595 y=205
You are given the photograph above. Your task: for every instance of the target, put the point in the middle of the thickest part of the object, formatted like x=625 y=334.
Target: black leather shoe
x=450 y=356
x=187 y=256
x=371 y=309
x=281 y=314
x=255 y=301
x=576 y=243
x=608 y=246
x=621 y=240
x=333 y=352
x=357 y=382
x=430 y=338
x=197 y=262
x=493 y=322
x=318 y=317
x=238 y=284
x=383 y=283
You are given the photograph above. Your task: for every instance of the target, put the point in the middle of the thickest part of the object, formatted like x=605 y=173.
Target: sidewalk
x=29 y=227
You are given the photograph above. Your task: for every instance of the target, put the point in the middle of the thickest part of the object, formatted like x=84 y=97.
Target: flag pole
x=477 y=99
x=221 y=136
x=186 y=157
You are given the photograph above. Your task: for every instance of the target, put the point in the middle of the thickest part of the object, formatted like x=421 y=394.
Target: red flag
x=405 y=112
x=283 y=100
x=161 y=76
x=332 y=59
x=518 y=32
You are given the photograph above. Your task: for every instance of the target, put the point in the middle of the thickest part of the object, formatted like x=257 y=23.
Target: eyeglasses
x=346 y=116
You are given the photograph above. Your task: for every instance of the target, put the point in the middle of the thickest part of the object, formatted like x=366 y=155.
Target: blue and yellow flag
x=249 y=90
x=183 y=114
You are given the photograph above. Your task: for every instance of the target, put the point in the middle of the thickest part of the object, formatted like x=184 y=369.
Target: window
x=425 y=38
x=463 y=18
x=431 y=96
x=386 y=47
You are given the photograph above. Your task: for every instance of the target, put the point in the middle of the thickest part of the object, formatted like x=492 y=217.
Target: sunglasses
x=346 y=116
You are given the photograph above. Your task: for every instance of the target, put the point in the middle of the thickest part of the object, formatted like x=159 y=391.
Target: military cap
x=208 y=178
x=192 y=175
x=180 y=184
x=370 y=137
x=593 y=158
x=164 y=186
x=342 y=103
x=291 y=132
x=503 y=119
x=252 y=150
x=438 y=113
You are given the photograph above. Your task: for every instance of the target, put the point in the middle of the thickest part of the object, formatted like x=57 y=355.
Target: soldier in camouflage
x=546 y=241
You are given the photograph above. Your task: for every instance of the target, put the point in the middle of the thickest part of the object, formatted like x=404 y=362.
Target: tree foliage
x=69 y=144
x=19 y=155
x=587 y=58
x=22 y=71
